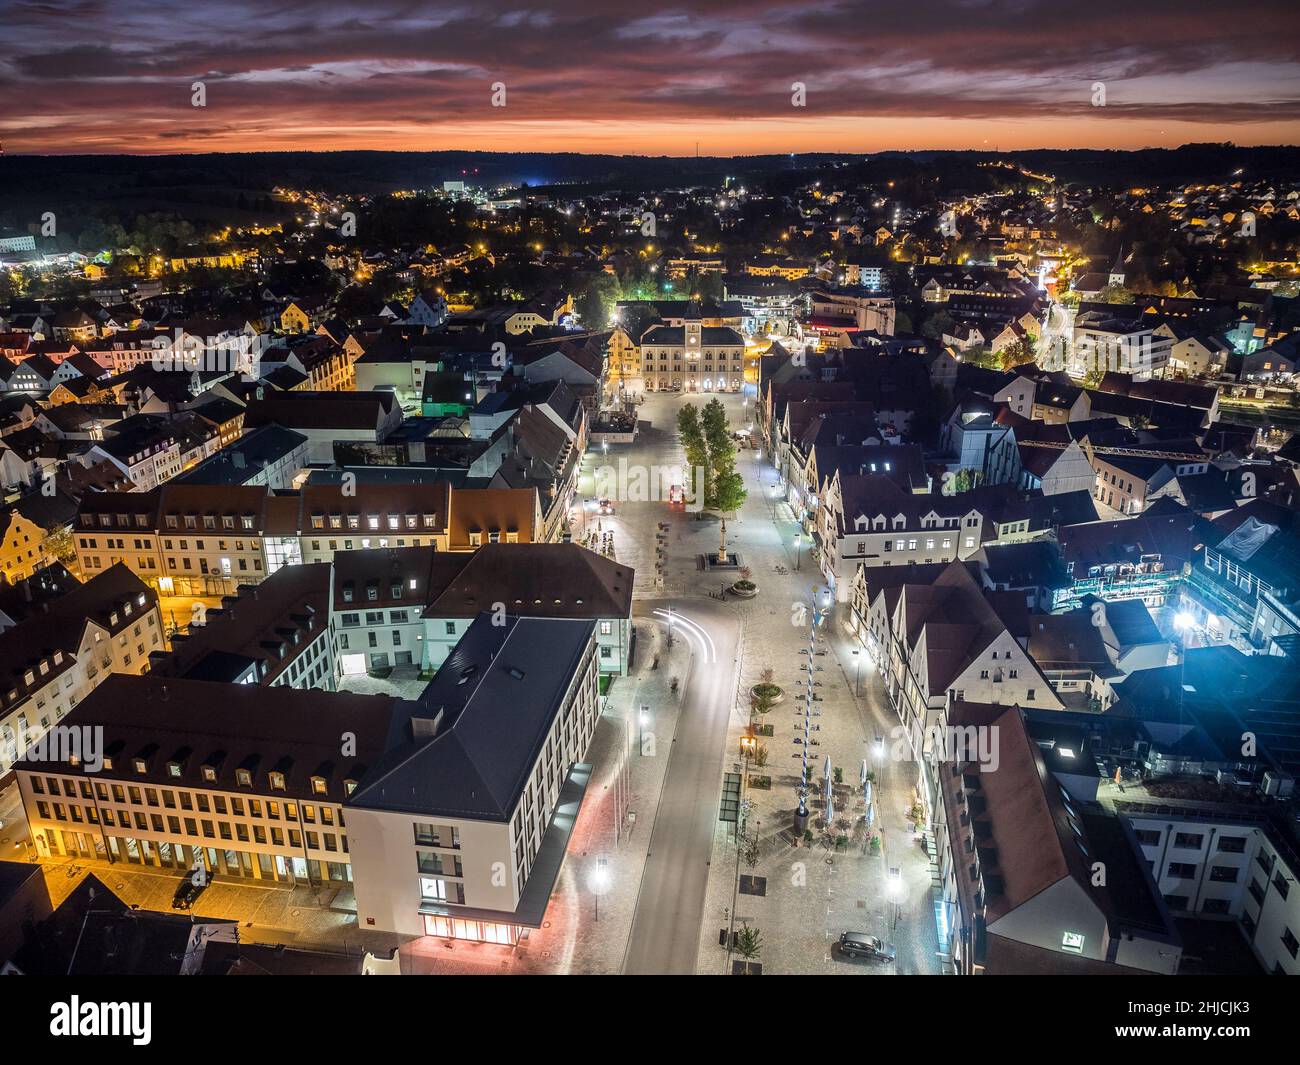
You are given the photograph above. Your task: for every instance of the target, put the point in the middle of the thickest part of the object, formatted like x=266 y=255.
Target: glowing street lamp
x=894 y=888
x=599 y=881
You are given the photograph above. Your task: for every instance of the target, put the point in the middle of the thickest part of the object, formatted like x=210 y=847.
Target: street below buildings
x=670 y=903
x=812 y=892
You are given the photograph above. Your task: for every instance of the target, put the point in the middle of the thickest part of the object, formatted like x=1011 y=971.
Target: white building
x=460 y=830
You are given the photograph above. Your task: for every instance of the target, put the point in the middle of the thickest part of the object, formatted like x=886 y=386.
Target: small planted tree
x=709 y=447
x=760 y=756
x=749 y=942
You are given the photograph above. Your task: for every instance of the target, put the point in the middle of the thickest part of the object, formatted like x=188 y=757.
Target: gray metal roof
x=497 y=693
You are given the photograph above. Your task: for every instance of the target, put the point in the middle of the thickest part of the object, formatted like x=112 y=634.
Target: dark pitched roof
x=227 y=727
x=498 y=694
x=537 y=580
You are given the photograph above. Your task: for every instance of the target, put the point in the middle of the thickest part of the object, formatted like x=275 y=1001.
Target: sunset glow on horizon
x=719 y=76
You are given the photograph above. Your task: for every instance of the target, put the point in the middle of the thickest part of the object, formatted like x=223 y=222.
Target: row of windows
x=165 y=798
x=192 y=827
x=246 y=521
x=372 y=521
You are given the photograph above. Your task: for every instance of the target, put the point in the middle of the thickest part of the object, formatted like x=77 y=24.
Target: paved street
x=670 y=905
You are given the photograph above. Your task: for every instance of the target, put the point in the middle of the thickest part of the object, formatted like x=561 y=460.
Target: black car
x=186 y=894
x=861 y=945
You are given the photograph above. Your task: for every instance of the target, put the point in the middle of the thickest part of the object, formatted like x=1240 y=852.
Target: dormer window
x=244 y=778
x=141 y=766
x=349 y=786
x=318 y=786
x=210 y=774
x=174 y=770
x=395 y=590
x=277 y=781
x=348 y=593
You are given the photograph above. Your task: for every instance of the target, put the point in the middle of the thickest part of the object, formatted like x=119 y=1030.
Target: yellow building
x=293 y=319
x=624 y=356
x=23 y=547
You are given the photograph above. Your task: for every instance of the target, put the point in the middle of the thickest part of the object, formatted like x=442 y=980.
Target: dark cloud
x=94 y=76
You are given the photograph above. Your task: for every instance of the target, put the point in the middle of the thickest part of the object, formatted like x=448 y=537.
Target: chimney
x=424 y=727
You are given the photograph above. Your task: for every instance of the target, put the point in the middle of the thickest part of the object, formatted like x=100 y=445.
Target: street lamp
x=598 y=881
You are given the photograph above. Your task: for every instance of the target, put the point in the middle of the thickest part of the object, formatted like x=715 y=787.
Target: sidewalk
x=813 y=893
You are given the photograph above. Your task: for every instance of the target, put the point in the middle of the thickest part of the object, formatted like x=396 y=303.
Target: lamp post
x=599 y=882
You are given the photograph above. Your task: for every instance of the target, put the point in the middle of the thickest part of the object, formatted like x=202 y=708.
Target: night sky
x=612 y=76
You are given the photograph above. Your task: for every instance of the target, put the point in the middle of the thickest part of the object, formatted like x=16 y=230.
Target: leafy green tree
x=1021 y=352
x=706 y=287
x=936 y=325
x=595 y=303
x=1115 y=294
x=706 y=439
x=728 y=486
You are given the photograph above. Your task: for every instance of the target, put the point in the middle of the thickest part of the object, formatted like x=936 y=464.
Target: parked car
x=861 y=945
x=186 y=893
